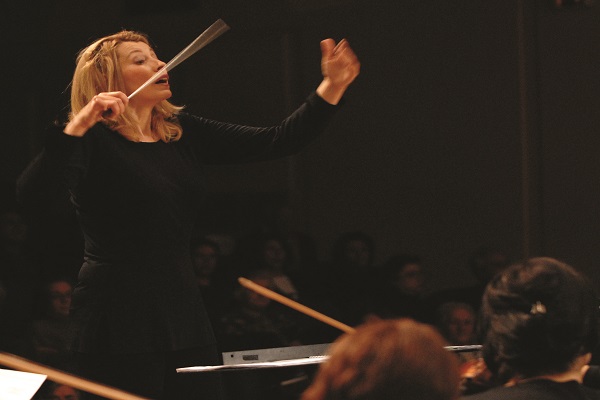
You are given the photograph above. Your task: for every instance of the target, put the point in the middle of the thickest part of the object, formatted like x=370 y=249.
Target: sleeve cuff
x=316 y=100
x=58 y=144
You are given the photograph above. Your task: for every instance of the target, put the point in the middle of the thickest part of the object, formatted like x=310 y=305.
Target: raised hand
x=105 y=105
x=339 y=66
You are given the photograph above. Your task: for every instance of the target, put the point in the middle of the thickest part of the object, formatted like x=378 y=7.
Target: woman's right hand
x=105 y=105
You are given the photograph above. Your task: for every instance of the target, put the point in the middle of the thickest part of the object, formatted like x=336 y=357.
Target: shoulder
x=186 y=119
x=542 y=389
x=192 y=124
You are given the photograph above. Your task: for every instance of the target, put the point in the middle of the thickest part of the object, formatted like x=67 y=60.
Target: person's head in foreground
x=539 y=320
x=387 y=359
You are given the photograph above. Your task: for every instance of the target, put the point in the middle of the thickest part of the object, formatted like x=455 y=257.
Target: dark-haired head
x=537 y=317
x=405 y=273
x=354 y=251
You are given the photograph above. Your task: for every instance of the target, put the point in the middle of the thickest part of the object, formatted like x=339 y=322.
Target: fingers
x=327 y=48
x=340 y=64
x=340 y=53
x=342 y=44
x=345 y=52
x=108 y=105
x=330 y=49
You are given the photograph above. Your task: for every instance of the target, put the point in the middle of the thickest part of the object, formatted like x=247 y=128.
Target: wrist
x=330 y=91
x=77 y=127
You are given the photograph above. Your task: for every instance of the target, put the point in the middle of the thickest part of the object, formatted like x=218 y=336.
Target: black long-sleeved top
x=137 y=203
x=541 y=389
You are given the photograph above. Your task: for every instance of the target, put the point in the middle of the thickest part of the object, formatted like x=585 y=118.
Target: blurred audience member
x=349 y=277
x=456 y=321
x=57 y=391
x=399 y=289
x=52 y=335
x=214 y=279
x=353 y=252
x=205 y=254
x=255 y=322
x=485 y=263
x=278 y=219
x=269 y=252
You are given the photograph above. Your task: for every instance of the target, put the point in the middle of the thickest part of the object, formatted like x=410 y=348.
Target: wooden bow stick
x=22 y=364
x=247 y=283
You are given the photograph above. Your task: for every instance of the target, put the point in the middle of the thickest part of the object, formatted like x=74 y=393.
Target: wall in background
x=426 y=154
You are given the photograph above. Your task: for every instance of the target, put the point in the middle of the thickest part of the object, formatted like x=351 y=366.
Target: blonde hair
x=387 y=359
x=98 y=71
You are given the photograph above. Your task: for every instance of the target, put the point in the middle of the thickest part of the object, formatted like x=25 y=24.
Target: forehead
x=59 y=286
x=204 y=249
x=461 y=313
x=273 y=243
x=124 y=49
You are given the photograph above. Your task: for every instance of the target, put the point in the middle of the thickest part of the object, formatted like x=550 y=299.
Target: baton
x=211 y=33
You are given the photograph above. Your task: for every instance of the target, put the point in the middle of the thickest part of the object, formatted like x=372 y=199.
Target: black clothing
x=154 y=375
x=592 y=377
x=539 y=390
x=137 y=203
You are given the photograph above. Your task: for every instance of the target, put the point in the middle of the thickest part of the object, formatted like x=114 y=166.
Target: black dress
x=136 y=204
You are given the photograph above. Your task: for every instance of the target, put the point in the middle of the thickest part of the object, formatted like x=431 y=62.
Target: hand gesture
x=105 y=105
x=339 y=66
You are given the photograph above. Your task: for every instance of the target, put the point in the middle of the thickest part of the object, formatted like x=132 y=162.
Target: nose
x=160 y=64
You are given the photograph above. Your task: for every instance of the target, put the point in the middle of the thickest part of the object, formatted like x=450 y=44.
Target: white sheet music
x=17 y=385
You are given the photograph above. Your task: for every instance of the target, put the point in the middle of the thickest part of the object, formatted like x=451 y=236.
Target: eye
x=139 y=61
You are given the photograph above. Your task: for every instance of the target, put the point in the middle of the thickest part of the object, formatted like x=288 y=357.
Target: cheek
x=129 y=85
x=131 y=79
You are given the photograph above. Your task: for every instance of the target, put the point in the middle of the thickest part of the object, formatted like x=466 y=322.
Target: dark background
x=472 y=122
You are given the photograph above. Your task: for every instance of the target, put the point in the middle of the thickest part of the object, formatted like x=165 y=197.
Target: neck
x=144 y=117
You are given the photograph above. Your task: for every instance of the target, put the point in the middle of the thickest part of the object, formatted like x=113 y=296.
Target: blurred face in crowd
x=63 y=392
x=490 y=265
x=358 y=253
x=60 y=298
x=204 y=258
x=411 y=279
x=275 y=254
x=461 y=327
x=12 y=228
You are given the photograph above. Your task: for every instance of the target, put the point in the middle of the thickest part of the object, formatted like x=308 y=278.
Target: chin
x=158 y=99
x=166 y=95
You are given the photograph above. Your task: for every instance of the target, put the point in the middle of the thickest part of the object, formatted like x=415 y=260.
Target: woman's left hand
x=340 y=67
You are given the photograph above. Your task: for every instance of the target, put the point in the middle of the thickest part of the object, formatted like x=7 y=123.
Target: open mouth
x=162 y=80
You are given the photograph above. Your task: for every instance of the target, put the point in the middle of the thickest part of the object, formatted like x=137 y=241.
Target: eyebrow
x=134 y=51
x=152 y=52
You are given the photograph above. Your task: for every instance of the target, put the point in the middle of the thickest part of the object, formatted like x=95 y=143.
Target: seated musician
x=539 y=321
x=387 y=359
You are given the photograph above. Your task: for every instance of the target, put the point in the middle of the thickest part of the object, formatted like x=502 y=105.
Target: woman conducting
x=134 y=172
